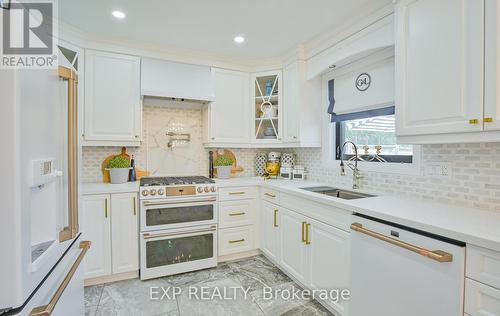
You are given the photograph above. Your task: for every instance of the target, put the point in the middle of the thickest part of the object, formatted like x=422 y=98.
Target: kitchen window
x=361 y=109
x=375 y=138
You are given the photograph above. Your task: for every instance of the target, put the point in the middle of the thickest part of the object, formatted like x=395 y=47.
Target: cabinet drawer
x=234 y=240
x=237 y=193
x=270 y=195
x=483 y=265
x=236 y=213
x=481 y=300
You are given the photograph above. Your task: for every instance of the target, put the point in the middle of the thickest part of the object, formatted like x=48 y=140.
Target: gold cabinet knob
x=488 y=120
x=474 y=121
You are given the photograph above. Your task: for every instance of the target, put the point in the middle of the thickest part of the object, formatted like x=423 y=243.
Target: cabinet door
x=229 y=112
x=267 y=116
x=439 y=66
x=124 y=232
x=95 y=226
x=112 y=98
x=293 y=248
x=492 y=66
x=270 y=227
x=329 y=260
x=291 y=99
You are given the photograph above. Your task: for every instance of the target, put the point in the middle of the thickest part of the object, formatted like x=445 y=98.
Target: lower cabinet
x=315 y=254
x=269 y=226
x=294 y=244
x=328 y=260
x=110 y=222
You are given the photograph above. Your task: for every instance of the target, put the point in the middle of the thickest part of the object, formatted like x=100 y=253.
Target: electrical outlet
x=438 y=169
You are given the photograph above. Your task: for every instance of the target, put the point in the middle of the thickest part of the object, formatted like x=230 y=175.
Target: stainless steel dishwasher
x=398 y=270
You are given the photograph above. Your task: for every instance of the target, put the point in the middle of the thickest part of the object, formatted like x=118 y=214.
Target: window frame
x=329 y=138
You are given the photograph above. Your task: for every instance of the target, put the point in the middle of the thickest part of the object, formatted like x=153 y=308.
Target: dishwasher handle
x=437 y=255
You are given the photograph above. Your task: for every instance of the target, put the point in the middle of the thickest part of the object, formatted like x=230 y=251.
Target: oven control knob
x=145 y=193
x=152 y=192
x=206 y=189
x=213 y=189
x=200 y=190
x=161 y=191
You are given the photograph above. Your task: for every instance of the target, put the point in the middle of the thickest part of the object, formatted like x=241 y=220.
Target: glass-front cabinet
x=266 y=102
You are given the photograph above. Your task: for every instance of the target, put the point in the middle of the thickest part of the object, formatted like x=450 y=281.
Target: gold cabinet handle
x=437 y=255
x=46 y=310
x=307 y=240
x=236 y=193
x=270 y=195
x=303 y=231
x=135 y=206
x=474 y=121
x=275 y=217
x=488 y=120
x=106 y=208
x=237 y=214
x=237 y=241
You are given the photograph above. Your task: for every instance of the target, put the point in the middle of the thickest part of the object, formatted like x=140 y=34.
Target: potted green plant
x=118 y=168
x=224 y=165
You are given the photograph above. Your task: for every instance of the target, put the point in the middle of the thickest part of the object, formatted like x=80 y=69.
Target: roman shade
x=374 y=96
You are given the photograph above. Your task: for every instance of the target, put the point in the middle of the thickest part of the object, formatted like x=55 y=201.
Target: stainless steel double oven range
x=178 y=225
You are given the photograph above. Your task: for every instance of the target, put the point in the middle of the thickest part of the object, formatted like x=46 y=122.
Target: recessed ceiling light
x=239 y=39
x=118 y=14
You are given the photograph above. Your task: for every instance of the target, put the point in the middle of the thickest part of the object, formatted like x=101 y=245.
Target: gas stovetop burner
x=156 y=181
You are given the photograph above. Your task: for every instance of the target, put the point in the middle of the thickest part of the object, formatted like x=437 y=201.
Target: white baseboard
x=112 y=278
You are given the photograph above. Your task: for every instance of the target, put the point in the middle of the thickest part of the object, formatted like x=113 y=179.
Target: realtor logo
x=28 y=35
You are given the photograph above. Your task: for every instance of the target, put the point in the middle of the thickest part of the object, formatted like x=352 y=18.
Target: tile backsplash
x=474 y=180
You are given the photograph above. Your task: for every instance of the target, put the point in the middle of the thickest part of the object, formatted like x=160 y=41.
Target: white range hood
x=166 y=79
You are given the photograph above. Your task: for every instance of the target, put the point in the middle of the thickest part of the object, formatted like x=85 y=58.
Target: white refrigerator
x=40 y=243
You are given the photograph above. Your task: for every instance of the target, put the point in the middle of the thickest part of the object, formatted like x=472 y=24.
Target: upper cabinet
x=492 y=67
x=112 y=115
x=301 y=107
x=267 y=118
x=447 y=74
x=161 y=78
x=227 y=116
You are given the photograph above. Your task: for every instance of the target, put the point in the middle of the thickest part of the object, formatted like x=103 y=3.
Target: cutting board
x=104 y=165
x=235 y=169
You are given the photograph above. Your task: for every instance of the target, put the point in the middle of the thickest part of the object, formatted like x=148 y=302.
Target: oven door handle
x=151 y=236
x=152 y=203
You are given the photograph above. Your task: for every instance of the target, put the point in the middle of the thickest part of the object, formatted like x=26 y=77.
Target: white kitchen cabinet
x=228 y=115
x=329 y=260
x=492 y=66
x=96 y=227
x=270 y=230
x=293 y=245
x=439 y=67
x=124 y=232
x=266 y=107
x=481 y=300
x=112 y=115
x=301 y=106
x=110 y=222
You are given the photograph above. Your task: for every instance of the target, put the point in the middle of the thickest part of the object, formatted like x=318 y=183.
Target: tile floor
x=132 y=297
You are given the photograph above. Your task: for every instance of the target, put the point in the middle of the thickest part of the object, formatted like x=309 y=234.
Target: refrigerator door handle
x=71 y=230
x=46 y=310
x=437 y=255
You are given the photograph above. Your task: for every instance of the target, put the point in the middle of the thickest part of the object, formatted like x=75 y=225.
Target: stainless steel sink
x=339 y=193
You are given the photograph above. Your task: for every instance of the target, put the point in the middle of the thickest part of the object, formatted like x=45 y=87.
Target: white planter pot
x=118 y=175
x=224 y=172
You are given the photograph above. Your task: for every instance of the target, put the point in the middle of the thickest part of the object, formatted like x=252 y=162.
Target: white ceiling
x=271 y=27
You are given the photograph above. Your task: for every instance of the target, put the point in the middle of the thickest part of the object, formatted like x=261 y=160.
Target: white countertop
x=469 y=225
x=108 y=188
